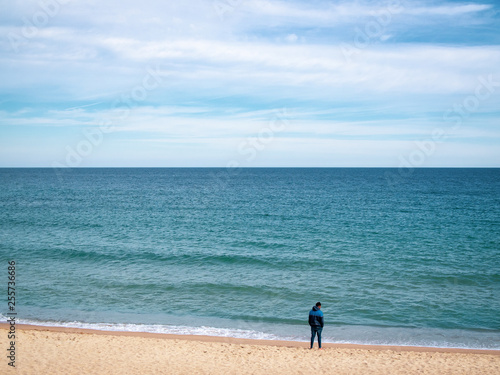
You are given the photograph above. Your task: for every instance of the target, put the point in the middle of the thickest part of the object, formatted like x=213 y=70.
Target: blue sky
x=249 y=83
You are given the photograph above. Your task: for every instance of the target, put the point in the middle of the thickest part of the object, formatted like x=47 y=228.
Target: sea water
x=395 y=257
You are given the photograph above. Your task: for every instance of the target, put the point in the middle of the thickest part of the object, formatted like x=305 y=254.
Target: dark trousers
x=314 y=330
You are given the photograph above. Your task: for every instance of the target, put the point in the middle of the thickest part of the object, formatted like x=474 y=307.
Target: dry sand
x=43 y=350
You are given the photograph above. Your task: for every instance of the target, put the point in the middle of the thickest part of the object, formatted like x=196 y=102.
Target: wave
x=158 y=328
x=178 y=257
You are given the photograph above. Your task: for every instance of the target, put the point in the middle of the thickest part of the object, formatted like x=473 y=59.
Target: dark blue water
x=247 y=252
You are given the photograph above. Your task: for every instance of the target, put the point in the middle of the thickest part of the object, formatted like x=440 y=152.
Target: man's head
x=318 y=305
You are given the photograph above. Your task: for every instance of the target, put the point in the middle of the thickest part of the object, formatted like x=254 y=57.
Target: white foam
x=157 y=328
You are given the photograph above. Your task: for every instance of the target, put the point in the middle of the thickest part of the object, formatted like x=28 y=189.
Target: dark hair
x=318 y=304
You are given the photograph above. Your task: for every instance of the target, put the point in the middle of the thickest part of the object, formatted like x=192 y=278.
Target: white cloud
x=422 y=68
x=331 y=14
x=448 y=10
x=292 y=38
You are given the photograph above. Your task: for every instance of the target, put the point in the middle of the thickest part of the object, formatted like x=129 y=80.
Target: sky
x=249 y=83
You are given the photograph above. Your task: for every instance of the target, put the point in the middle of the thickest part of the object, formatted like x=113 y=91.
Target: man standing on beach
x=316 y=322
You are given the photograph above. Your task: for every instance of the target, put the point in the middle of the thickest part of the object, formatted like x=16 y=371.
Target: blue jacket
x=316 y=317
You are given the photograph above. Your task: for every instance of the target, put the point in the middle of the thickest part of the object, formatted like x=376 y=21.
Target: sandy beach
x=49 y=350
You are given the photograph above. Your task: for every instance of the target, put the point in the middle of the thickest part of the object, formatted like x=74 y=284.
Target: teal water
x=247 y=253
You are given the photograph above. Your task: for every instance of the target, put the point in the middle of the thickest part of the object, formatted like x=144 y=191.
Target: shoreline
x=244 y=341
x=41 y=350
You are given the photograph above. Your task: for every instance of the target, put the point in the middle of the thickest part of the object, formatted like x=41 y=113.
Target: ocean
x=412 y=260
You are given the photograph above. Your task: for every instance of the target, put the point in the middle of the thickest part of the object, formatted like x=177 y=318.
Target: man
x=316 y=322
